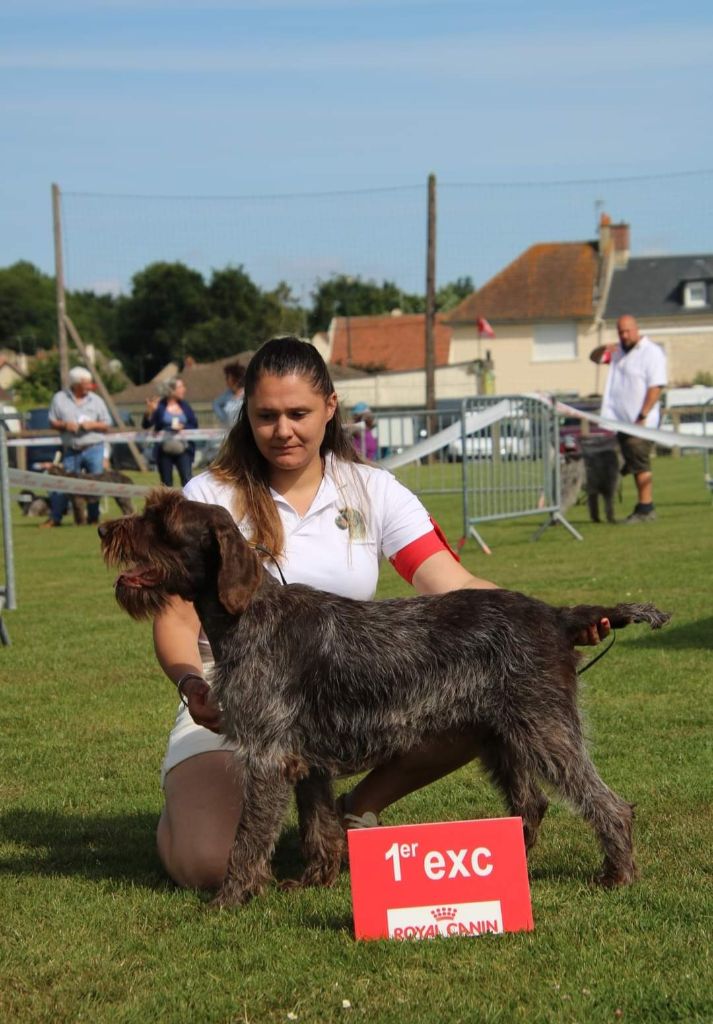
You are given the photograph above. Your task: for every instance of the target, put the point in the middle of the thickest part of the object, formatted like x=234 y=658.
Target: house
x=542 y=308
x=672 y=300
x=391 y=342
x=558 y=300
x=380 y=360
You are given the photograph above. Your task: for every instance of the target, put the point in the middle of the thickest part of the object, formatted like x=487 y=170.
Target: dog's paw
x=611 y=877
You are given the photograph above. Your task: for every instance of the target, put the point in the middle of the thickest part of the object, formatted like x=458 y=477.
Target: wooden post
x=59 y=289
x=77 y=339
x=431 y=301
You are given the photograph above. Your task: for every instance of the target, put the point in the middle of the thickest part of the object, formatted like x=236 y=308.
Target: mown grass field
x=92 y=930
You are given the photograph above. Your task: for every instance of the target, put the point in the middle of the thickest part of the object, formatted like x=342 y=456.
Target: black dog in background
x=602 y=474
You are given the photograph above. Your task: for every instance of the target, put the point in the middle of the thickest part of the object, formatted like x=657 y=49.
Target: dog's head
x=179 y=547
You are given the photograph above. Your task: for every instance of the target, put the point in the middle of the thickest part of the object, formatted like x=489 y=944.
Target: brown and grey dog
x=314 y=686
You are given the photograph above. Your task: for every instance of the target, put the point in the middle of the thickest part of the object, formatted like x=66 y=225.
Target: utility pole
x=431 y=299
x=59 y=289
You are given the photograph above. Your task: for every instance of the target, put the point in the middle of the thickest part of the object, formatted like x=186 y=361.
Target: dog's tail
x=574 y=620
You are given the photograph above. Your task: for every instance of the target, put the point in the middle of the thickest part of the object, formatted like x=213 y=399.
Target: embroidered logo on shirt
x=351 y=519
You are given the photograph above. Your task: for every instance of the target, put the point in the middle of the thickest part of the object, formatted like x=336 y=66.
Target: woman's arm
x=441 y=573
x=175 y=634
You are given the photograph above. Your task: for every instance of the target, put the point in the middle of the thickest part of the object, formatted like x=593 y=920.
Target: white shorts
x=187 y=739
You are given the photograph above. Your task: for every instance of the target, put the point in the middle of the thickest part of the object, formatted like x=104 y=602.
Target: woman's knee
x=192 y=861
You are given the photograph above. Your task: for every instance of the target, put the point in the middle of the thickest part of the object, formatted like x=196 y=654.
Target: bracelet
x=184 y=679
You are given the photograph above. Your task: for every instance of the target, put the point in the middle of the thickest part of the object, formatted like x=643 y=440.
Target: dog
x=32 y=504
x=602 y=475
x=313 y=686
x=79 y=501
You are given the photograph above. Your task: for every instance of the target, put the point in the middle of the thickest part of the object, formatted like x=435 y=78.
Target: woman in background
x=172 y=414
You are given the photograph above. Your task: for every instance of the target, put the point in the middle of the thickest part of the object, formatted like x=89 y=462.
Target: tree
x=166 y=301
x=449 y=295
x=28 y=318
x=342 y=295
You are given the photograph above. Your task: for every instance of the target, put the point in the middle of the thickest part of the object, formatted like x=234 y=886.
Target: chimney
x=604 y=234
x=620 y=238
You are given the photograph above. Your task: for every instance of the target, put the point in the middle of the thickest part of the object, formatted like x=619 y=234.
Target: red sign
x=453 y=878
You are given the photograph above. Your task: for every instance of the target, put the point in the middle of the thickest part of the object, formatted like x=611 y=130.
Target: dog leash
x=601 y=654
x=264 y=551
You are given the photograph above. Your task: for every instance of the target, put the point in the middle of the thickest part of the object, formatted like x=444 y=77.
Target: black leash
x=600 y=655
x=264 y=551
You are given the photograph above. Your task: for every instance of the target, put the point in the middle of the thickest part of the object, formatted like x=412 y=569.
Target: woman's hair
x=168 y=387
x=236 y=371
x=239 y=461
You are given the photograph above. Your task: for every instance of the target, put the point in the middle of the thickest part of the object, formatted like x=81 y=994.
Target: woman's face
x=288 y=419
x=179 y=390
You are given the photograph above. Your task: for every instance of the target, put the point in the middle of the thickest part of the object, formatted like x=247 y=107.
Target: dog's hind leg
x=249 y=871
x=511 y=773
x=570 y=770
x=322 y=836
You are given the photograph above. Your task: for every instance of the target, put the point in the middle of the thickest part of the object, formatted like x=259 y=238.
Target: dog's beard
x=141 y=602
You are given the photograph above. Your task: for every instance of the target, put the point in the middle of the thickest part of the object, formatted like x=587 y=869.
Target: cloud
x=541 y=57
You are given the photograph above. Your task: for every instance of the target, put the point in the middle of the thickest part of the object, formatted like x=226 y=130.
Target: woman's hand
x=594 y=634
x=201 y=704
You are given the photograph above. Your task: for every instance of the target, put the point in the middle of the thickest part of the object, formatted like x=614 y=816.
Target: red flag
x=484 y=328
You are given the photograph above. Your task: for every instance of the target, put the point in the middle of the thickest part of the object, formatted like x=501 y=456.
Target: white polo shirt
x=630 y=376
x=359 y=514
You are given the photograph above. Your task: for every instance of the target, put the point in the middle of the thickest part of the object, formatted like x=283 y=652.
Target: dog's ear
x=240 y=569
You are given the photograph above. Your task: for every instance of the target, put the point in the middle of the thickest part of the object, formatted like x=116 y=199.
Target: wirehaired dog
x=79 y=501
x=313 y=686
x=602 y=474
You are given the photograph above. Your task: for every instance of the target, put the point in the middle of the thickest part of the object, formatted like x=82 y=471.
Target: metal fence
x=501 y=454
x=7 y=586
x=511 y=469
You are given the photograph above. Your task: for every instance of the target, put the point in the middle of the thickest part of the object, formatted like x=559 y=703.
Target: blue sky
x=153 y=97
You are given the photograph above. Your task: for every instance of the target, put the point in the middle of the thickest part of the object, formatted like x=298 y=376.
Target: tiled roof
x=389 y=342
x=204 y=381
x=549 y=281
x=653 y=286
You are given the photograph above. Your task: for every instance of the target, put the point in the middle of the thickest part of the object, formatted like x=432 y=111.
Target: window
x=554 y=343
x=695 y=294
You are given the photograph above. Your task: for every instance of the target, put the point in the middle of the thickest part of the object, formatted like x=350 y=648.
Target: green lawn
x=92 y=930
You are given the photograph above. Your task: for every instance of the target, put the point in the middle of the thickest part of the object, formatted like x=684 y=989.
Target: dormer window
x=695 y=294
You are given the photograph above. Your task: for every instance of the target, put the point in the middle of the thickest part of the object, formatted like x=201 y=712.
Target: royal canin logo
x=469 y=919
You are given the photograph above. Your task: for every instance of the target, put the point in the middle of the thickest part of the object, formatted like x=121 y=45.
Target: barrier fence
x=499 y=453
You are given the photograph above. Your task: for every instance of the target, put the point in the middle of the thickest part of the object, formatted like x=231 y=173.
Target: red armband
x=408 y=559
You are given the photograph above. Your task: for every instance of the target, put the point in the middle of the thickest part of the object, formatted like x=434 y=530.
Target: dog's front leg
x=322 y=836
x=249 y=871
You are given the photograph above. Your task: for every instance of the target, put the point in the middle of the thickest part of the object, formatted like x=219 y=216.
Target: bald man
x=637 y=376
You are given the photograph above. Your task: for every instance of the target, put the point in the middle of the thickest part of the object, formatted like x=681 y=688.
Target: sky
x=287 y=98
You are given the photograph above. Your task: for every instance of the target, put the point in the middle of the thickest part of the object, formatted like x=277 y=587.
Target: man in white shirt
x=82 y=418
x=631 y=395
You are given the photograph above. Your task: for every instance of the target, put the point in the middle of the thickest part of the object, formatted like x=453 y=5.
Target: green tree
x=166 y=301
x=28 y=318
x=351 y=296
x=342 y=295
x=449 y=295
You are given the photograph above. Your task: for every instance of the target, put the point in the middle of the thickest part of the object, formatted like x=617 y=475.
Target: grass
x=92 y=930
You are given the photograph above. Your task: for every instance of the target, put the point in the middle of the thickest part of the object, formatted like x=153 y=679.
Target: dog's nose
x=101 y=530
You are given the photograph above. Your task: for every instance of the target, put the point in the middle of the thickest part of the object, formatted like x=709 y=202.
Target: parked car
x=38 y=419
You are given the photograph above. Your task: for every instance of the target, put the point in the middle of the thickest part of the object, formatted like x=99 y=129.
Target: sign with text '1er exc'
x=452 y=878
